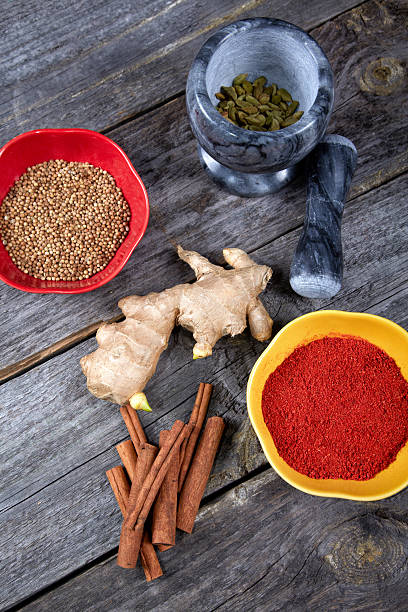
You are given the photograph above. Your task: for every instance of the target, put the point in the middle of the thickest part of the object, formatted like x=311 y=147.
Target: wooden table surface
x=120 y=67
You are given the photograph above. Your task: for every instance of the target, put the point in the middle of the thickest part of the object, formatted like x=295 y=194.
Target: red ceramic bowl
x=82 y=146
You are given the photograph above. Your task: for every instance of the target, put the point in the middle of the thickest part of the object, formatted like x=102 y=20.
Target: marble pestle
x=317 y=266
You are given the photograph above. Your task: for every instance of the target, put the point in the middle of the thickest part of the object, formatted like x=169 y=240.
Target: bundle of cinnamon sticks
x=159 y=489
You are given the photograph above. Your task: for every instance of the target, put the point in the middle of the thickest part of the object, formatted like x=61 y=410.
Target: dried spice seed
x=63 y=220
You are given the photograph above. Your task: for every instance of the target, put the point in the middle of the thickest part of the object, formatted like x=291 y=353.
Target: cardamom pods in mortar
x=256 y=106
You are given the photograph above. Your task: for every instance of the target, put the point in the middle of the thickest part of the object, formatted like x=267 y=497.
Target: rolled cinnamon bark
x=199 y=472
x=150 y=562
x=165 y=506
x=147 y=455
x=134 y=426
x=121 y=489
x=197 y=418
x=120 y=486
x=132 y=528
x=127 y=453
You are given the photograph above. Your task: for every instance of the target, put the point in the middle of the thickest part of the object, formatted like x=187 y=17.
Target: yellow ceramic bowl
x=379 y=331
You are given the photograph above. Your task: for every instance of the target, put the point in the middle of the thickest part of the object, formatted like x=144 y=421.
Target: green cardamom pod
x=251 y=100
x=256 y=119
x=274 y=125
x=247 y=86
x=285 y=95
x=292 y=107
x=258 y=91
x=289 y=121
x=229 y=92
x=232 y=113
x=249 y=108
x=240 y=79
x=242 y=116
x=264 y=98
x=260 y=81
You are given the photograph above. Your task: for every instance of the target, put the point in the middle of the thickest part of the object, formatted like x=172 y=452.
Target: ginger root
x=216 y=305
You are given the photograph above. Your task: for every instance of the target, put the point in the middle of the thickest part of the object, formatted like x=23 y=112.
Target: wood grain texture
x=93 y=64
x=67 y=439
x=57 y=512
x=187 y=207
x=265 y=546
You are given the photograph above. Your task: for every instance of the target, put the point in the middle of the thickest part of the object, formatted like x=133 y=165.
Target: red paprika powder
x=337 y=408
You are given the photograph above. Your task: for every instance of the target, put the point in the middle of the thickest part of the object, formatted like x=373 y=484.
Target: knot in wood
x=366 y=550
x=382 y=76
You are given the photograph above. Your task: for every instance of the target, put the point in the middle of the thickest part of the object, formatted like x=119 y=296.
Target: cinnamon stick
x=132 y=528
x=197 y=478
x=147 y=455
x=197 y=418
x=165 y=506
x=128 y=456
x=120 y=486
x=121 y=489
x=150 y=562
x=134 y=426
x=193 y=419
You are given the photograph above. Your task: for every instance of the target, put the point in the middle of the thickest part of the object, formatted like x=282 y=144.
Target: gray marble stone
x=254 y=163
x=317 y=267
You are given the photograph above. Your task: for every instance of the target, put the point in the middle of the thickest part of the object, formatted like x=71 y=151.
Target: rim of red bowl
x=124 y=259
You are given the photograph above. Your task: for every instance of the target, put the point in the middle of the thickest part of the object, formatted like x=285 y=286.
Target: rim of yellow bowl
x=308 y=485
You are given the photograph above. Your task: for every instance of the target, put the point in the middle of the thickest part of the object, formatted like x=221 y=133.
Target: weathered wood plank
x=56 y=434
x=188 y=208
x=93 y=64
x=263 y=546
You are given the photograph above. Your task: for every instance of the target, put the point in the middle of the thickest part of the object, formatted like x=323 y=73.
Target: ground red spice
x=337 y=408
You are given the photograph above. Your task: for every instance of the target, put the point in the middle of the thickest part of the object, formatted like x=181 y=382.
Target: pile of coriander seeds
x=63 y=220
x=256 y=106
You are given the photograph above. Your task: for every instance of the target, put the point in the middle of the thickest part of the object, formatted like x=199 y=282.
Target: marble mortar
x=251 y=163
